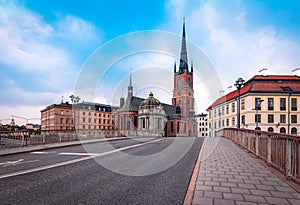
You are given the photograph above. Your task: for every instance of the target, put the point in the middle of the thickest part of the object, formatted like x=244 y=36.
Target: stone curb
x=188 y=200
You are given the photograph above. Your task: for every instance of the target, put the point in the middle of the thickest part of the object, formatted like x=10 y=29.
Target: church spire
x=183 y=54
x=130 y=87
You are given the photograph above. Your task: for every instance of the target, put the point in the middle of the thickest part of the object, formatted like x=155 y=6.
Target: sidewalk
x=32 y=148
x=230 y=176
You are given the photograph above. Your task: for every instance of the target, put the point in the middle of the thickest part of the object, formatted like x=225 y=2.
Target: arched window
x=189 y=83
x=294 y=131
x=179 y=83
x=270 y=129
x=257 y=128
x=282 y=130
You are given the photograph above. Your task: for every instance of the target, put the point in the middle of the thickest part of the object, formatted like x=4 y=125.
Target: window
x=293 y=118
x=243 y=120
x=61 y=120
x=270 y=129
x=67 y=121
x=270 y=118
x=282 y=130
x=179 y=83
x=178 y=126
x=282 y=104
x=90 y=120
x=223 y=123
x=233 y=121
x=219 y=122
x=270 y=103
x=243 y=104
x=294 y=104
x=227 y=122
x=219 y=112
x=257 y=118
x=62 y=112
x=232 y=107
x=83 y=113
x=67 y=113
x=189 y=82
x=294 y=131
x=257 y=103
x=223 y=110
x=282 y=118
x=227 y=109
x=89 y=114
x=83 y=119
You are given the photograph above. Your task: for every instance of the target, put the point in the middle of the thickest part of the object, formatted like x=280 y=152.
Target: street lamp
x=257 y=106
x=75 y=101
x=239 y=83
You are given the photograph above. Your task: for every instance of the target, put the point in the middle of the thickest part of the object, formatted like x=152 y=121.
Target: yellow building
x=268 y=103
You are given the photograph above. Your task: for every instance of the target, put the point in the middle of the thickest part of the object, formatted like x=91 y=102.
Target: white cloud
x=40 y=59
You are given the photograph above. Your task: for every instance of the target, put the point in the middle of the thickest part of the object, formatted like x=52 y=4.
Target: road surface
x=83 y=174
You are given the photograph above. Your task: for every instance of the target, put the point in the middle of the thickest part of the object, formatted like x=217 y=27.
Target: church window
x=179 y=83
x=189 y=82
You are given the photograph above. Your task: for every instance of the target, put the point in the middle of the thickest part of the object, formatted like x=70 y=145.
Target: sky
x=44 y=46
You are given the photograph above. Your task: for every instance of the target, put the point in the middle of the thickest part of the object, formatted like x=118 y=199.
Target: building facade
x=202 y=123
x=88 y=119
x=267 y=103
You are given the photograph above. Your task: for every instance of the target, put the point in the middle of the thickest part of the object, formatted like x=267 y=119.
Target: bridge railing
x=278 y=150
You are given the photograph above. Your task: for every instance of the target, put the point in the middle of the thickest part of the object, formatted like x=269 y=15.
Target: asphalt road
x=100 y=173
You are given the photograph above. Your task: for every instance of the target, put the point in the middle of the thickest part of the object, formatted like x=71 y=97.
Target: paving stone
x=296 y=195
x=276 y=200
x=251 y=181
x=281 y=194
x=251 y=198
x=221 y=189
x=212 y=194
x=233 y=196
x=284 y=189
x=265 y=187
x=227 y=184
x=294 y=201
x=223 y=202
x=260 y=192
x=219 y=179
x=245 y=203
x=204 y=188
x=212 y=183
x=247 y=186
x=240 y=191
x=202 y=201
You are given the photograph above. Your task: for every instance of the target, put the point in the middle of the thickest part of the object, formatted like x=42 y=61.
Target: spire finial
x=183 y=55
x=130 y=80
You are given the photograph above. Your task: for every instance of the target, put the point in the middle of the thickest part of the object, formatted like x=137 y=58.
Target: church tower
x=183 y=93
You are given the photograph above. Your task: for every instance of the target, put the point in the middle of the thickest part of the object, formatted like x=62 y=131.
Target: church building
x=149 y=117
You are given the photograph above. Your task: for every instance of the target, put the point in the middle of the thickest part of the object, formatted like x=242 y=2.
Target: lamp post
x=257 y=106
x=75 y=101
x=239 y=83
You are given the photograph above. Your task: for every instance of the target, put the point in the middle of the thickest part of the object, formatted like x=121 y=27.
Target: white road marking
x=14 y=163
x=78 y=154
x=52 y=152
x=74 y=160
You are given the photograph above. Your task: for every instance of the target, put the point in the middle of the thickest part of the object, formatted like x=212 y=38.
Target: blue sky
x=44 y=44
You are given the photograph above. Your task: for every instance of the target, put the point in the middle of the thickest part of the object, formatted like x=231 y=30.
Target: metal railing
x=278 y=150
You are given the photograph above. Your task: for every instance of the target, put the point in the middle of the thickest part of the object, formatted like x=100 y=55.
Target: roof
x=84 y=105
x=264 y=84
x=132 y=105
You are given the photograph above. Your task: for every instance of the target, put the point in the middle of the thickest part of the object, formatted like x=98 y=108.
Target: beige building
x=267 y=103
x=84 y=118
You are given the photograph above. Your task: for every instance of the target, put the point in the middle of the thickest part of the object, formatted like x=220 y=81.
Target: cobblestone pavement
x=229 y=175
